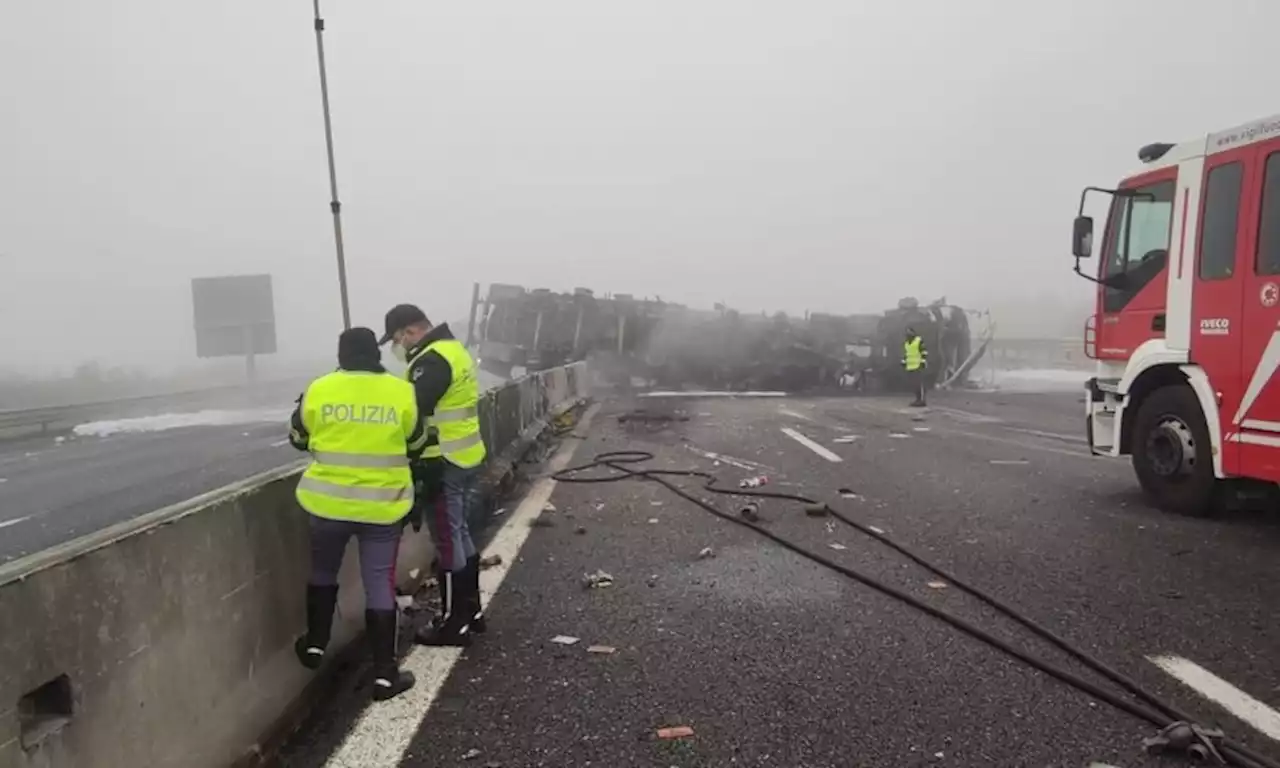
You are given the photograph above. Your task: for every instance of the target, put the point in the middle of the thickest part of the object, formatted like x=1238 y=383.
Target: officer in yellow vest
x=915 y=359
x=448 y=392
x=361 y=426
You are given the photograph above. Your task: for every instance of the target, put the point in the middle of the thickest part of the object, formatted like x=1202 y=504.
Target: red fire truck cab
x=1186 y=331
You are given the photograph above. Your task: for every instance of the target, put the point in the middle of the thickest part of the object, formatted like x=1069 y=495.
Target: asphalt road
x=53 y=489
x=772 y=660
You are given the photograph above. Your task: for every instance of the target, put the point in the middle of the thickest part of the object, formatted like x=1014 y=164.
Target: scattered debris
x=599 y=507
x=1184 y=737
x=837 y=547
x=655 y=503
x=706 y=553
x=749 y=466
x=652 y=580
x=548 y=507
x=937 y=585
x=491 y=561
x=471 y=754
x=750 y=512
x=677 y=732
x=597 y=580
x=60 y=439
x=564 y=640
x=500 y=511
x=754 y=482
x=874 y=529
x=845 y=439
x=580 y=530
x=1010 y=461
x=847 y=493
x=603 y=650
x=917 y=417
x=899 y=435
x=816 y=510
x=653 y=521
x=919 y=429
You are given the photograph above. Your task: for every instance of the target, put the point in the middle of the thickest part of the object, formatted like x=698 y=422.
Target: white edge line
x=811 y=445
x=384 y=732
x=1222 y=693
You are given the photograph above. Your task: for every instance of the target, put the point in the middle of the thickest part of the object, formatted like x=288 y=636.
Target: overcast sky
x=829 y=155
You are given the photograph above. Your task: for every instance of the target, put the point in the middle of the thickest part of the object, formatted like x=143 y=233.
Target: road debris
x=490 y=561
x=655 y=503
x=603 y=650
x=676 y=732
x=565 y=640
x=471 y=754
x=1009 y=462
x=937 y=585
x=874 y=529
x=754 y=482
x=817 y=510
x=919 y=429
x=580 y=530
x=837 y=547
x=548 y=507
x=597 y=580
x=750 y=512
x=845 y=439
x=899 y=435
x=653 y=521
x=706 y=553
x=847 y=493
x=500 y=511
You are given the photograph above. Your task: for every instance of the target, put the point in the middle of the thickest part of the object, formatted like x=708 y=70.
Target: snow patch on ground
x=166 y=421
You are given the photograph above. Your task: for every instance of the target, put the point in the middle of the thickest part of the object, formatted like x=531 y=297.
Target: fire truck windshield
x=1137 y=244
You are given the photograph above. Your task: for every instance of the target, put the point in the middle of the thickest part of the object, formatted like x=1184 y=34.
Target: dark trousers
x=917 y=383
x=446 y=516
x=379 y=547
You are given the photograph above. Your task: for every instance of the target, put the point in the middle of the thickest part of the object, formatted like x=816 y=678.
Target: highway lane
x=53 y=491
x=771 y=660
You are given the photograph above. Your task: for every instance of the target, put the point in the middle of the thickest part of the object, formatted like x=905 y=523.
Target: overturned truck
x=672 y=346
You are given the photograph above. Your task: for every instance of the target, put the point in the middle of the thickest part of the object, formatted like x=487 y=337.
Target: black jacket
x=430 y=373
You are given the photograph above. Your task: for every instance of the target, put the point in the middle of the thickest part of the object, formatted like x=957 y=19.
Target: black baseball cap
x=399 y=317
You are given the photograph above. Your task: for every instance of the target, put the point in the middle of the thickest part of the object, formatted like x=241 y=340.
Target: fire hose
x=1178 y=731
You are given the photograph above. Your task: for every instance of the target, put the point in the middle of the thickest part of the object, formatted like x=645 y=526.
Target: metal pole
x=334 y=205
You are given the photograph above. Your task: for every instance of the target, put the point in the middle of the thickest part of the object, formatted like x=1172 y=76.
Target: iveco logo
x=1215 y=326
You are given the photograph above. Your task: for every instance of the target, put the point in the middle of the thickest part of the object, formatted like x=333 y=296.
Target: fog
x=826 y=155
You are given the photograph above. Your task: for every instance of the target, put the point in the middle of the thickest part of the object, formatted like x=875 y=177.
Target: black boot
x=478 y=625
x=453 y=627
x=310 y=647
x=389 y=680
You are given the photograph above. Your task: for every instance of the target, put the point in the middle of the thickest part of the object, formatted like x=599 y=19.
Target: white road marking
x=1010 y=462
x=1026 y=446
x=1219 y=691
x=279 y=443
x=15 y=521
x=731 y=461
x=811 y=445
x=1052 y=435
x=794 y=415
x=382 y=735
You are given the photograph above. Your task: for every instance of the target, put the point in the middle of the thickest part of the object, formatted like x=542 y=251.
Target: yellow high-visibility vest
x=359 y=427
x=455 y=425
x=912 y=357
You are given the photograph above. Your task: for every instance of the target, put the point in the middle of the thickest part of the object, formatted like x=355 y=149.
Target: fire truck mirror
x=1082 y=237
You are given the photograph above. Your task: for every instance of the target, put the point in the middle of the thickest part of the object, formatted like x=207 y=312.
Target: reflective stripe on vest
x=911 y=356
x=456 y=421
x=359 y=426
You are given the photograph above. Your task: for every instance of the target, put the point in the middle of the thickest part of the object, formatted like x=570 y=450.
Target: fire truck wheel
x=1172 y=452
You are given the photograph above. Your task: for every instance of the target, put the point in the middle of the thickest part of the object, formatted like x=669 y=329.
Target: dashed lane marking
x=15 y=521
x=811 y=445
x=382 y=735
x=1222 y=693
x=794 y=415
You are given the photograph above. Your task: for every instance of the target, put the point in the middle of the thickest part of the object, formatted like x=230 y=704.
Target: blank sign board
x=234 y=315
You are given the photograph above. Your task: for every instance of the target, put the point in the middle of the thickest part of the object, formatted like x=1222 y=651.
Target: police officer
x=361 y=425
x=444 y=379
x=915 y=359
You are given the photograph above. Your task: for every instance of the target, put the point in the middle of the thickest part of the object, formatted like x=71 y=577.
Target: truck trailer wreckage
x=672 y=346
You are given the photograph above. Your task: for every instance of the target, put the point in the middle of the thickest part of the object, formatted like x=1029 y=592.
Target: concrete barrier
x=166 y=641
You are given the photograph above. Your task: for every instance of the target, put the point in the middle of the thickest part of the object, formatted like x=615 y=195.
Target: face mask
x=398 y=351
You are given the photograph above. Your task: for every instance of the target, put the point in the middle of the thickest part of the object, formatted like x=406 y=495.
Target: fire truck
x=1186 y=330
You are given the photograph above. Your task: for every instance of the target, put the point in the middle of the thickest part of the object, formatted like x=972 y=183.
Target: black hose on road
x=1156 y=712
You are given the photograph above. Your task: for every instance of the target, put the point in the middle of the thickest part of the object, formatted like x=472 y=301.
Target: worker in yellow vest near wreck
x=444 y=380
x=915 y=359
x=361 y=425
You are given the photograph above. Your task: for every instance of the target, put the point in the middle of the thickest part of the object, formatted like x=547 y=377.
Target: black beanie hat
x=358 y=348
